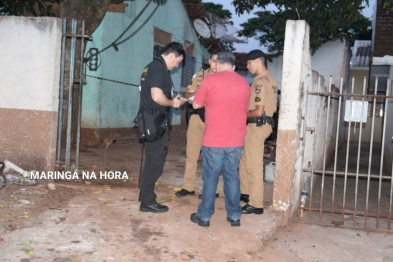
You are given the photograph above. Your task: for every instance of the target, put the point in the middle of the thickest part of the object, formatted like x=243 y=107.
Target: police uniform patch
x=257 y=89
x=257 y=98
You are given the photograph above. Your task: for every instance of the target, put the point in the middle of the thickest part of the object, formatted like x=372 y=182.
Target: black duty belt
x=261 y=120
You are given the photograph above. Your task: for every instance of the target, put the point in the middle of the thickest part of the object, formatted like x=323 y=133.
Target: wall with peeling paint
x=299 y=111
x=113 y=105
x=30 y=74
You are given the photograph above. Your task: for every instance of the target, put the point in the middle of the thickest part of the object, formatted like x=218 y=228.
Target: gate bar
x=351 y=95
x=371 y=150
x=346 y=212
x=358 y=156
x=382 y=154
x=81 y=83
x=70 y=92
x=340 y=173
x=61 y=98
x=389 y=88
x=336 y=147
x=325 y=149
x=347 y=152
x=303 y=179
x=312 y=157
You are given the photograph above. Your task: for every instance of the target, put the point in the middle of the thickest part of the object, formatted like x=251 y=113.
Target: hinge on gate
x=311 y=129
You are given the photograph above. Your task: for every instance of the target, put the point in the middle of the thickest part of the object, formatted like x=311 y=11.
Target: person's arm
x=200 y=95
x=189 y=94
x=193 y=86
x=259 y=91
x=196 y=106
x=158 y=96
x=256 y=112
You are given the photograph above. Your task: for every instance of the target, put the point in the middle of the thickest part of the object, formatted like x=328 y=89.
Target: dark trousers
x=155 y=155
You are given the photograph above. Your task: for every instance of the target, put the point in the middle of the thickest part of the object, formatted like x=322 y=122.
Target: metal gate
x=351 y=184
x=70 y=102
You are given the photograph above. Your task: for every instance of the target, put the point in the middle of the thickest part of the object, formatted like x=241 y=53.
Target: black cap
x=254 y=54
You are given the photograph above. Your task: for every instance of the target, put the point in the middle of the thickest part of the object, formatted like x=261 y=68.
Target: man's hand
x=183 y=100
x=178 y=101
x=158 y=96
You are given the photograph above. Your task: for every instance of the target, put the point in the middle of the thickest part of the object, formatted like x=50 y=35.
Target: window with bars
x=382 y=73
x=188 y=70
x=157 y=50
x=379 y=108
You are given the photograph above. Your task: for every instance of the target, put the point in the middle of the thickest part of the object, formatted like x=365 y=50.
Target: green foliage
x=269 y=29
x=217 y=9
x=266 y=28
x=325 y=18
x=387 y=5
x=23 y=7
x=359 y=30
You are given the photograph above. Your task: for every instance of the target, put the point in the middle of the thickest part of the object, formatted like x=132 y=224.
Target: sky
x=252 y=43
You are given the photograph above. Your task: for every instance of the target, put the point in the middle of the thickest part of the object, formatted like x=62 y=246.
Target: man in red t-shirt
x=225 y=96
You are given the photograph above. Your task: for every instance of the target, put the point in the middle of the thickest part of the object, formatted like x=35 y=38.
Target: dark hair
x=213 y=53
x=174 y=47
x=226 y=57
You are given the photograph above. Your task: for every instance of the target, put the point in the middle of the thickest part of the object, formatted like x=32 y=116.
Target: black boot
x=245 y=198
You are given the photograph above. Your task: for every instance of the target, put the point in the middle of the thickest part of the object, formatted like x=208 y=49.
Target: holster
x=192 y=111
x=260 y=121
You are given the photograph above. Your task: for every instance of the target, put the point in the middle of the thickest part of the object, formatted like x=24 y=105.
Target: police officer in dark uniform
x=156 y=92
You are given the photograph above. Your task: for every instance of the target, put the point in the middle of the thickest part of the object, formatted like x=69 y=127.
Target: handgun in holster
x=260 y=121
x=263 y=120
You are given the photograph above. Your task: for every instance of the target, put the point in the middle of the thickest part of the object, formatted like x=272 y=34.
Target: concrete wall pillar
x=296 y=77
x=30 y=51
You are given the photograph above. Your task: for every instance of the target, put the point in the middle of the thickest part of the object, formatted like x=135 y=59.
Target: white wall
x=30 y=55
x=332 y=59
x=29 y=85
x=275 y=68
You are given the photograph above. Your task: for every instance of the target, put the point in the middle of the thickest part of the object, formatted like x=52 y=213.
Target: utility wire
x=113 y=44
x=140 y=27
x=114 y=81
x=133 y=22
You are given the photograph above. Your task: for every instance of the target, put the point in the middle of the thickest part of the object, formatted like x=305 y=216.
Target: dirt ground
x=99 y=220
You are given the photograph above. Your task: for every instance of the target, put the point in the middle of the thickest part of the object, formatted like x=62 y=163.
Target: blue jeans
x=216 y=161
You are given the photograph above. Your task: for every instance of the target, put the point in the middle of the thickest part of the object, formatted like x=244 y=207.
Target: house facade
x=127 y=39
